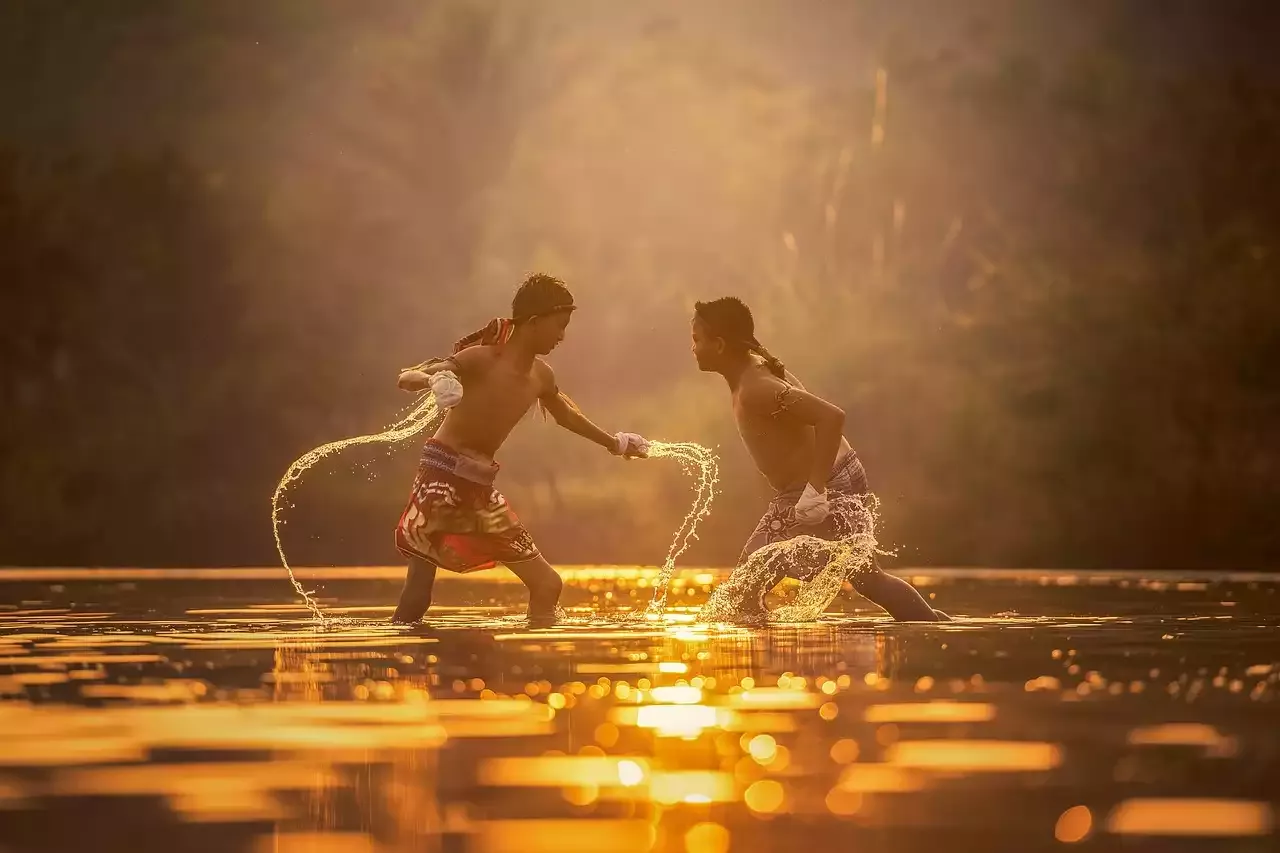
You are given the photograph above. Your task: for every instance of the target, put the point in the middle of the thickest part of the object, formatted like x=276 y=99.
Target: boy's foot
x=942 y=617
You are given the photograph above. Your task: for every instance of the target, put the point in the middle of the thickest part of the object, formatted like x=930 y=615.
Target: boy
x=455 y=519
x=796 y=440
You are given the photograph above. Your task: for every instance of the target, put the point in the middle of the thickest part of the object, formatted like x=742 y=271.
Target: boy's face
x=547 y=332
x=707 y=348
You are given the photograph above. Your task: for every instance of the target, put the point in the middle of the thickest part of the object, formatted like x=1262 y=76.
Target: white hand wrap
x=812 y=508
x=446 y=388
x=630 y=444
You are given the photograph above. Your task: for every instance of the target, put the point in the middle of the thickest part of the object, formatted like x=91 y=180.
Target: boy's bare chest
x=506 y=390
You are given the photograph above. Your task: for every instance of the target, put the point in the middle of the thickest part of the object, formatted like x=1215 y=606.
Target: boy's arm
x=415 y=379
x=772 y=397
x=566 y=413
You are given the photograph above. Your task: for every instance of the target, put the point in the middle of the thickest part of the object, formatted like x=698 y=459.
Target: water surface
x=203 y=709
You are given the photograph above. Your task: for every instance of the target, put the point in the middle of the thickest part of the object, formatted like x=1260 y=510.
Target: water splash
x=692 y=457
x=413 y=421
x=822 y=566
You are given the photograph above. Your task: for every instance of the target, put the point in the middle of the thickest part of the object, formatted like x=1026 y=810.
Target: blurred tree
x=1030 y=249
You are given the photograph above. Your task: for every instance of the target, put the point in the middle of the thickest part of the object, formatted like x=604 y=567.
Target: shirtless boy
x=455 y=518
x=797 y=441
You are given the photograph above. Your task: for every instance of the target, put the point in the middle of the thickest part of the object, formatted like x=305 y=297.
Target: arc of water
x=424 y=411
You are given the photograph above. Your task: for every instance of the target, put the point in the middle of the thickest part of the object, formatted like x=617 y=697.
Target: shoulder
x=475 y=358
x=546 y=377
x=761 y=391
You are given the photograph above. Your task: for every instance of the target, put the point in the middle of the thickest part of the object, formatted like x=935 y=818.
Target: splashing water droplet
x=417 y=418
x=821 y=565
x=424 y=412
x=691 y=457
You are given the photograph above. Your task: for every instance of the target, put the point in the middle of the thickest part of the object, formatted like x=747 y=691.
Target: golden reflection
x=762 y=748
x=844 y=751
x=69 y=750
x=692 y=786
x=315 y=842
x=342 y=762
x=765 y=797
x=613 y=668
x=747 y=770
x=842 y=802
x=51 y=661
x=193 y=779
x=1185 y=734
x=559 y=771
x=226 y=802
x=561 y=836
x=707 y=838
x=1074 y=825
x=35 y=679
x=774 y=698
x=675 y=720
x=606 y=734
x=975 y=756
x=1191 y=817
x=880 y=778
x=756 y=721
x=630 y=772
x=171 y=690
x=938 y=711
x=581 y=796
x=676 y=695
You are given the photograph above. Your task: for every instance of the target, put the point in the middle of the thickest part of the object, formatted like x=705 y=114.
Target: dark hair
x=729 y=317
x=539 y=295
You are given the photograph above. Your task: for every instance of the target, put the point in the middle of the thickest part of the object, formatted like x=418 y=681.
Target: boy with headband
x=455 y=518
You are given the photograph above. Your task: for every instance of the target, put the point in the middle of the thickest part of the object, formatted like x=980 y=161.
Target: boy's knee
x=550 y=585
x=544 y=584
x=867 y=579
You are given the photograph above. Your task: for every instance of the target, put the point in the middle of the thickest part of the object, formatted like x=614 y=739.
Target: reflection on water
x=200 y=711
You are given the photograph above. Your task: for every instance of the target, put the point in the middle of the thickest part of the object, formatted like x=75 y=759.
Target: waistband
x=438 y=455
x=838 y=480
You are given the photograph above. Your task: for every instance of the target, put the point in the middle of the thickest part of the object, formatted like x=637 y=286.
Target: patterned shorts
x=848 y=478
x=456 y=519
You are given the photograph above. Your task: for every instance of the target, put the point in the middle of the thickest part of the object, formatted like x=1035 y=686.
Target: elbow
x=556 y=413
x=832 y=421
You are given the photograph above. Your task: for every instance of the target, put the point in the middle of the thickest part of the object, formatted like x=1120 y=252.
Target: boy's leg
x=415 y=598
x=544 y=585
x=903 y=602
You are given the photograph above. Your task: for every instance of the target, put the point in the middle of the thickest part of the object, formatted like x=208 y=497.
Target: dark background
x=1031 y=247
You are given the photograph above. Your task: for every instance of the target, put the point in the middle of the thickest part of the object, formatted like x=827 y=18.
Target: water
x=413 y=420
x=829 y=565
x=204 y=709
x=698 y=461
